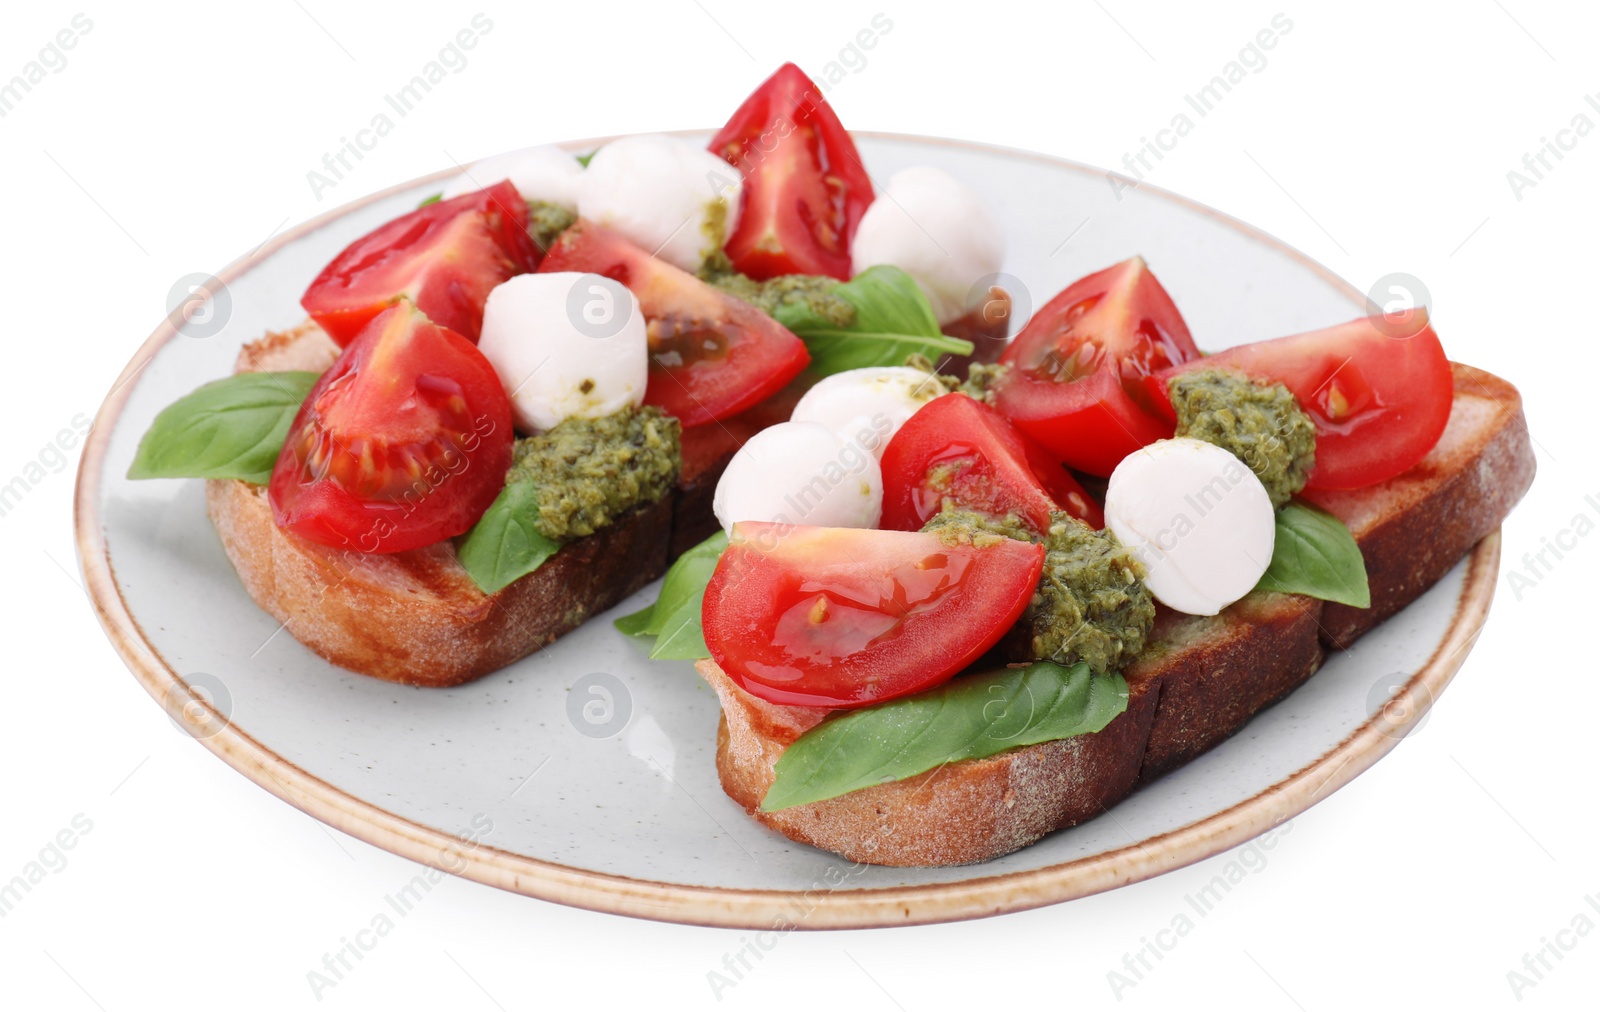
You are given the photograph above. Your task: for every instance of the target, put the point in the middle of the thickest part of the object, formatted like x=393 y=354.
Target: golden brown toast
x=415 y=616
x=1199 y=680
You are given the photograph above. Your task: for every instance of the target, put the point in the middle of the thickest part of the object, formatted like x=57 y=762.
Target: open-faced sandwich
x=510 y=407
x=1001 y=650
x=952 y=593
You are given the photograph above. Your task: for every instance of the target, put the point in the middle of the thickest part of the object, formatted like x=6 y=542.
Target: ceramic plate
x=584 y=774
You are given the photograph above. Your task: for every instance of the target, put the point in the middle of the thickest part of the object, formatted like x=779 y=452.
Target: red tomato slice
x=825 y=616
x=711 y=355
x=404 y=442
x=805 y=189
x=958 y=448
x=1380 y=403
x=1077 y=385
x=444 y=257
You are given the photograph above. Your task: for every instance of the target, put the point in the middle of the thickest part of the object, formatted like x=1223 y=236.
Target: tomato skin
x=711 y=355
x=404 y=390
x=445 y=257
x=817 y=616
x=1077 y=382
x=1380 y=403
x=1001 y=469
x=805 y=188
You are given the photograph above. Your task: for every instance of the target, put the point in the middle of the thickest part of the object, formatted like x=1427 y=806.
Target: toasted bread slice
x=1198 y=681
x=415 y=616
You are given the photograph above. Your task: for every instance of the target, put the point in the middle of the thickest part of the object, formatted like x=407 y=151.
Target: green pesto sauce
x=815 y=292
x=966 y=527
x=588 y=472
x=547 y=221
x=1091 y=603
x=1260 y=423
x=979 y=384
x=812 y=291
x=982 y=379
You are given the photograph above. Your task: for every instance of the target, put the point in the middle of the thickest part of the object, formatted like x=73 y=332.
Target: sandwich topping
x=586 y=473
x=1260 y=423
x=1090 y=605
x=546 y=221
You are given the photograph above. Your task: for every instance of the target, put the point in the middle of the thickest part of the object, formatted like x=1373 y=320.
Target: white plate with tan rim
x=584 y=774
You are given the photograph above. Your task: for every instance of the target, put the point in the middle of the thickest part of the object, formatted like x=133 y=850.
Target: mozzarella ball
x=547 y=173
x=867 y=406
x=803 y=474
x=565 y=345
x=660 y=192
x=1199 y=520
x=936 y=229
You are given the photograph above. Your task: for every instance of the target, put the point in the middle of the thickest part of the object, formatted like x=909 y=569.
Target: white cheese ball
x=658 y=192
x=936 y=229
x=547 y=173
x=1199 y=520
x=800 y=473
x=867 y=406
x=565 y=345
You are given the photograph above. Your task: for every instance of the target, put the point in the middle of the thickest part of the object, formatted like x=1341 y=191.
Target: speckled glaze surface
x=584 y=774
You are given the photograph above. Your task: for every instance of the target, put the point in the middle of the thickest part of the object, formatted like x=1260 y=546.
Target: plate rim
x=723 y=906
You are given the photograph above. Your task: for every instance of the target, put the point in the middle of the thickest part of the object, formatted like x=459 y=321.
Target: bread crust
x=1198 y=682
x=416 y=617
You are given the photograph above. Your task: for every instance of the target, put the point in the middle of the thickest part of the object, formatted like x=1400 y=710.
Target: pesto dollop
x=547 y=221
x=588 y=472
x=979 y=384
x=814 y=292
x=1091 y=603
x=981 y=380
x=967 y=527
x=1260 y=423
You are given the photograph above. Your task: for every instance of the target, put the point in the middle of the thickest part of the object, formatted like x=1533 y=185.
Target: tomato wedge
x=961 y=449
x=828 y=616
x=404 y=442
x=1077 y=383
x=1380 y=403
x=805 y=188
x=445 y=257
x=711 y=355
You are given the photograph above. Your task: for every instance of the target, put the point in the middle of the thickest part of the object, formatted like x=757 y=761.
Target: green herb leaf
x=893 y=320
x=505 y=544
x=431 y=200
x=640 y=623
x=682 y=637
x=675 y=616
x=1316 y=555
x=584 y=160
x=973 y=717
x=229 y=428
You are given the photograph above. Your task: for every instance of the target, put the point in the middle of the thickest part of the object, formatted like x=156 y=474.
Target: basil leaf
x=973 y=717
x=675 y=615
x=1316 y=555
x=430 y=200
x=640 y=623
x=893 y=320
x=229 y=428
x=505 y=544
x=584 y=160
x=682 y=637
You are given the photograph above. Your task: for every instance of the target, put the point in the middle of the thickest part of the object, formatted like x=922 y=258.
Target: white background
x=1376 y=139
